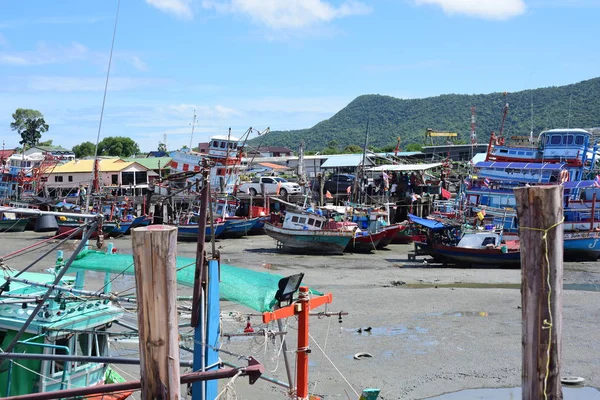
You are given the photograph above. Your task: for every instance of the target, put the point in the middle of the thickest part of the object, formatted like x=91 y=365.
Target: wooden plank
x=540 y=212
x=154 y=252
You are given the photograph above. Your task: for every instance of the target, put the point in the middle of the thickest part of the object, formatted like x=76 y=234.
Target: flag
x=348 y=189
x=446 y=194
x=278 y=187
x=385 y=176
x=328 y=195
x=486 y=182
x=597 y=181
x=415 y=197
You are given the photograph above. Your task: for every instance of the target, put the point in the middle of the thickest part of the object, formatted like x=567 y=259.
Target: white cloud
x=139 y=64
x=178 y=8
x=487 y=9
x=289 y=14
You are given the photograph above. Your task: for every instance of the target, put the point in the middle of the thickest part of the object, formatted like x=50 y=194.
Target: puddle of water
x=460 y=314
x=569 y=393
x=586 y=287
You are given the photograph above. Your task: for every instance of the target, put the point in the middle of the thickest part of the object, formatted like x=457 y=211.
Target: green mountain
x=391 y=117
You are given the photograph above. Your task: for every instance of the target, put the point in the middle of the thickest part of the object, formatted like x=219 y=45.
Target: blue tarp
x=519 y=165
x=428 y=223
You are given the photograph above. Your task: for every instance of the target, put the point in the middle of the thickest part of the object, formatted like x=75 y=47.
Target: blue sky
x=283 y=64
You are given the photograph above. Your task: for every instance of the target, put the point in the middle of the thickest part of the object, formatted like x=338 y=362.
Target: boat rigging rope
x=548 y=323
x=333 y=364
x=324 y=347
x=42 y=242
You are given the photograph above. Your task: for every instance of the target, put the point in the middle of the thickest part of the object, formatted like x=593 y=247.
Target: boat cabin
x=306 y=221
x=223 y=147
x=480 y=240
x=67 y=325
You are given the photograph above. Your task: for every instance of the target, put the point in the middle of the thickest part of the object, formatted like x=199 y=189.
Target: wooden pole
x=540 y=213
x=154 y=252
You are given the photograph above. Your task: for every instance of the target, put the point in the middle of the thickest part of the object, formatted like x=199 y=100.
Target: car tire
x=253 y=192
x=283 y=192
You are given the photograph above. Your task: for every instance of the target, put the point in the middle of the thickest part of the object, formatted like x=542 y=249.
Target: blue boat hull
x=581 y=246
x=238 y=227
x=190 y=232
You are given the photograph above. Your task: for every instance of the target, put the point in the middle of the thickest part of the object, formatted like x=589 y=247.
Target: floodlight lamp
x=287 y=287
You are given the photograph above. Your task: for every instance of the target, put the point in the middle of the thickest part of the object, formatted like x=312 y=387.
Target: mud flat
x=433 y=330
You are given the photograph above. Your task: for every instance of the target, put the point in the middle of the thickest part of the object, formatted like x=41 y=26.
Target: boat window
x=302 y=220
x=579 y=139
x=311 y=221
x=318 y=223
x=489 y=240
x=555 y=139
x=294 y=219
x=58 y=366
x=230 y=145
x=215 y=143
x=503 y=151
x=99 y=347
x=569 y=139
x=222 y=145
x=547 y=139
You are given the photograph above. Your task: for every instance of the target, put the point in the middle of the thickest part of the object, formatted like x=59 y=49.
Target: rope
x=229 y=389
x=334 y=366
x=324 y=347
x=548 y=323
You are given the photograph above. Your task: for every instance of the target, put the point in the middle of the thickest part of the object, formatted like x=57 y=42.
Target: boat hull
x=581 y=246
x=476 y=257
x=64 y=230
x=13 y=225
x=365 y=243
x=403 y=236
x=235 y=228
x=190 y=232
x=309 y=241
x=391 y=232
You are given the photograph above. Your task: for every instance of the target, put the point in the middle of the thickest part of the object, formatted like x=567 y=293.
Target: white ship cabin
x=480 y=240
x=565 y=143
x=304 y=221
x=223 y=147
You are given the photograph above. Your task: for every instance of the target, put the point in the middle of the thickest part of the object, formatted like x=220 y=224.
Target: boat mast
x=362 y=169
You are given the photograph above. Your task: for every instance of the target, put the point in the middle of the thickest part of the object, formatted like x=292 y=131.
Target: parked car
x=270 y=184
x=338 y=183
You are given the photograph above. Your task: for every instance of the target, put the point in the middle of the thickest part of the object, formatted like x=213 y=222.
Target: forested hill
x=391 y=117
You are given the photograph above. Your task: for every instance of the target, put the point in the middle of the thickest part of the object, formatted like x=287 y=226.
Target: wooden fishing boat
x=236 y=227
x=189 y=232
x=391 y=231
x=365 y=242
x=13 y=225
x=303 y=232
x=63 y=328
x=65 y=228
x=404 y=234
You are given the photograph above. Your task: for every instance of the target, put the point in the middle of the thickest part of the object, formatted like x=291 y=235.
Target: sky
x=283 y=64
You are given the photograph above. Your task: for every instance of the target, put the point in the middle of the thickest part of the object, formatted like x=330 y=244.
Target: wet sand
x=433 y=330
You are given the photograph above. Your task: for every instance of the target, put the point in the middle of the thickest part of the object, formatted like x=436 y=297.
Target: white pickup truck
x=271 y=185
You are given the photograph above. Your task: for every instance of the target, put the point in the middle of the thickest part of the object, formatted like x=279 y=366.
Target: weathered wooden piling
x=154 y=256
x=540 y=213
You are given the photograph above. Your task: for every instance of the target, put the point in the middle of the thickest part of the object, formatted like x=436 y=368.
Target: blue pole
x=198 y=388
x=213 y=315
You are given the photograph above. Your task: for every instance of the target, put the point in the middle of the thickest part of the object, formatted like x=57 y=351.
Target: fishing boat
x=68 y=325
x=404 y=234
x=486 y=248
x=305 y=232
x=188 y=232
x=390 y=233
x=235 y=226
x=365 y=242
x=66 y=227
x=13 y=225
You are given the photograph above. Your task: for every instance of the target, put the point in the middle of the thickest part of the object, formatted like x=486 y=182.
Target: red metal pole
x=302 y=357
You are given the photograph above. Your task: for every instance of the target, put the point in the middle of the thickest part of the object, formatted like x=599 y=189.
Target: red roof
x=6 y=153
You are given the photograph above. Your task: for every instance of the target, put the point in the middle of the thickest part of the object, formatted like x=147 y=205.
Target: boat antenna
x=112 y=46
x=531 y=131
x=193 y=125
x=569 y=116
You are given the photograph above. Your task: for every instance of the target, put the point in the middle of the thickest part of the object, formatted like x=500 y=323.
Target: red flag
x=328 y=195
x=446 y=194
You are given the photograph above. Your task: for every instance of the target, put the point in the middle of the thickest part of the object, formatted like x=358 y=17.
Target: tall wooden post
x=154 y=252
x=540 y=212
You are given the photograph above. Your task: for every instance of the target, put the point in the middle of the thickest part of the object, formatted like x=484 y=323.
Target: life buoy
x=564 y=176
